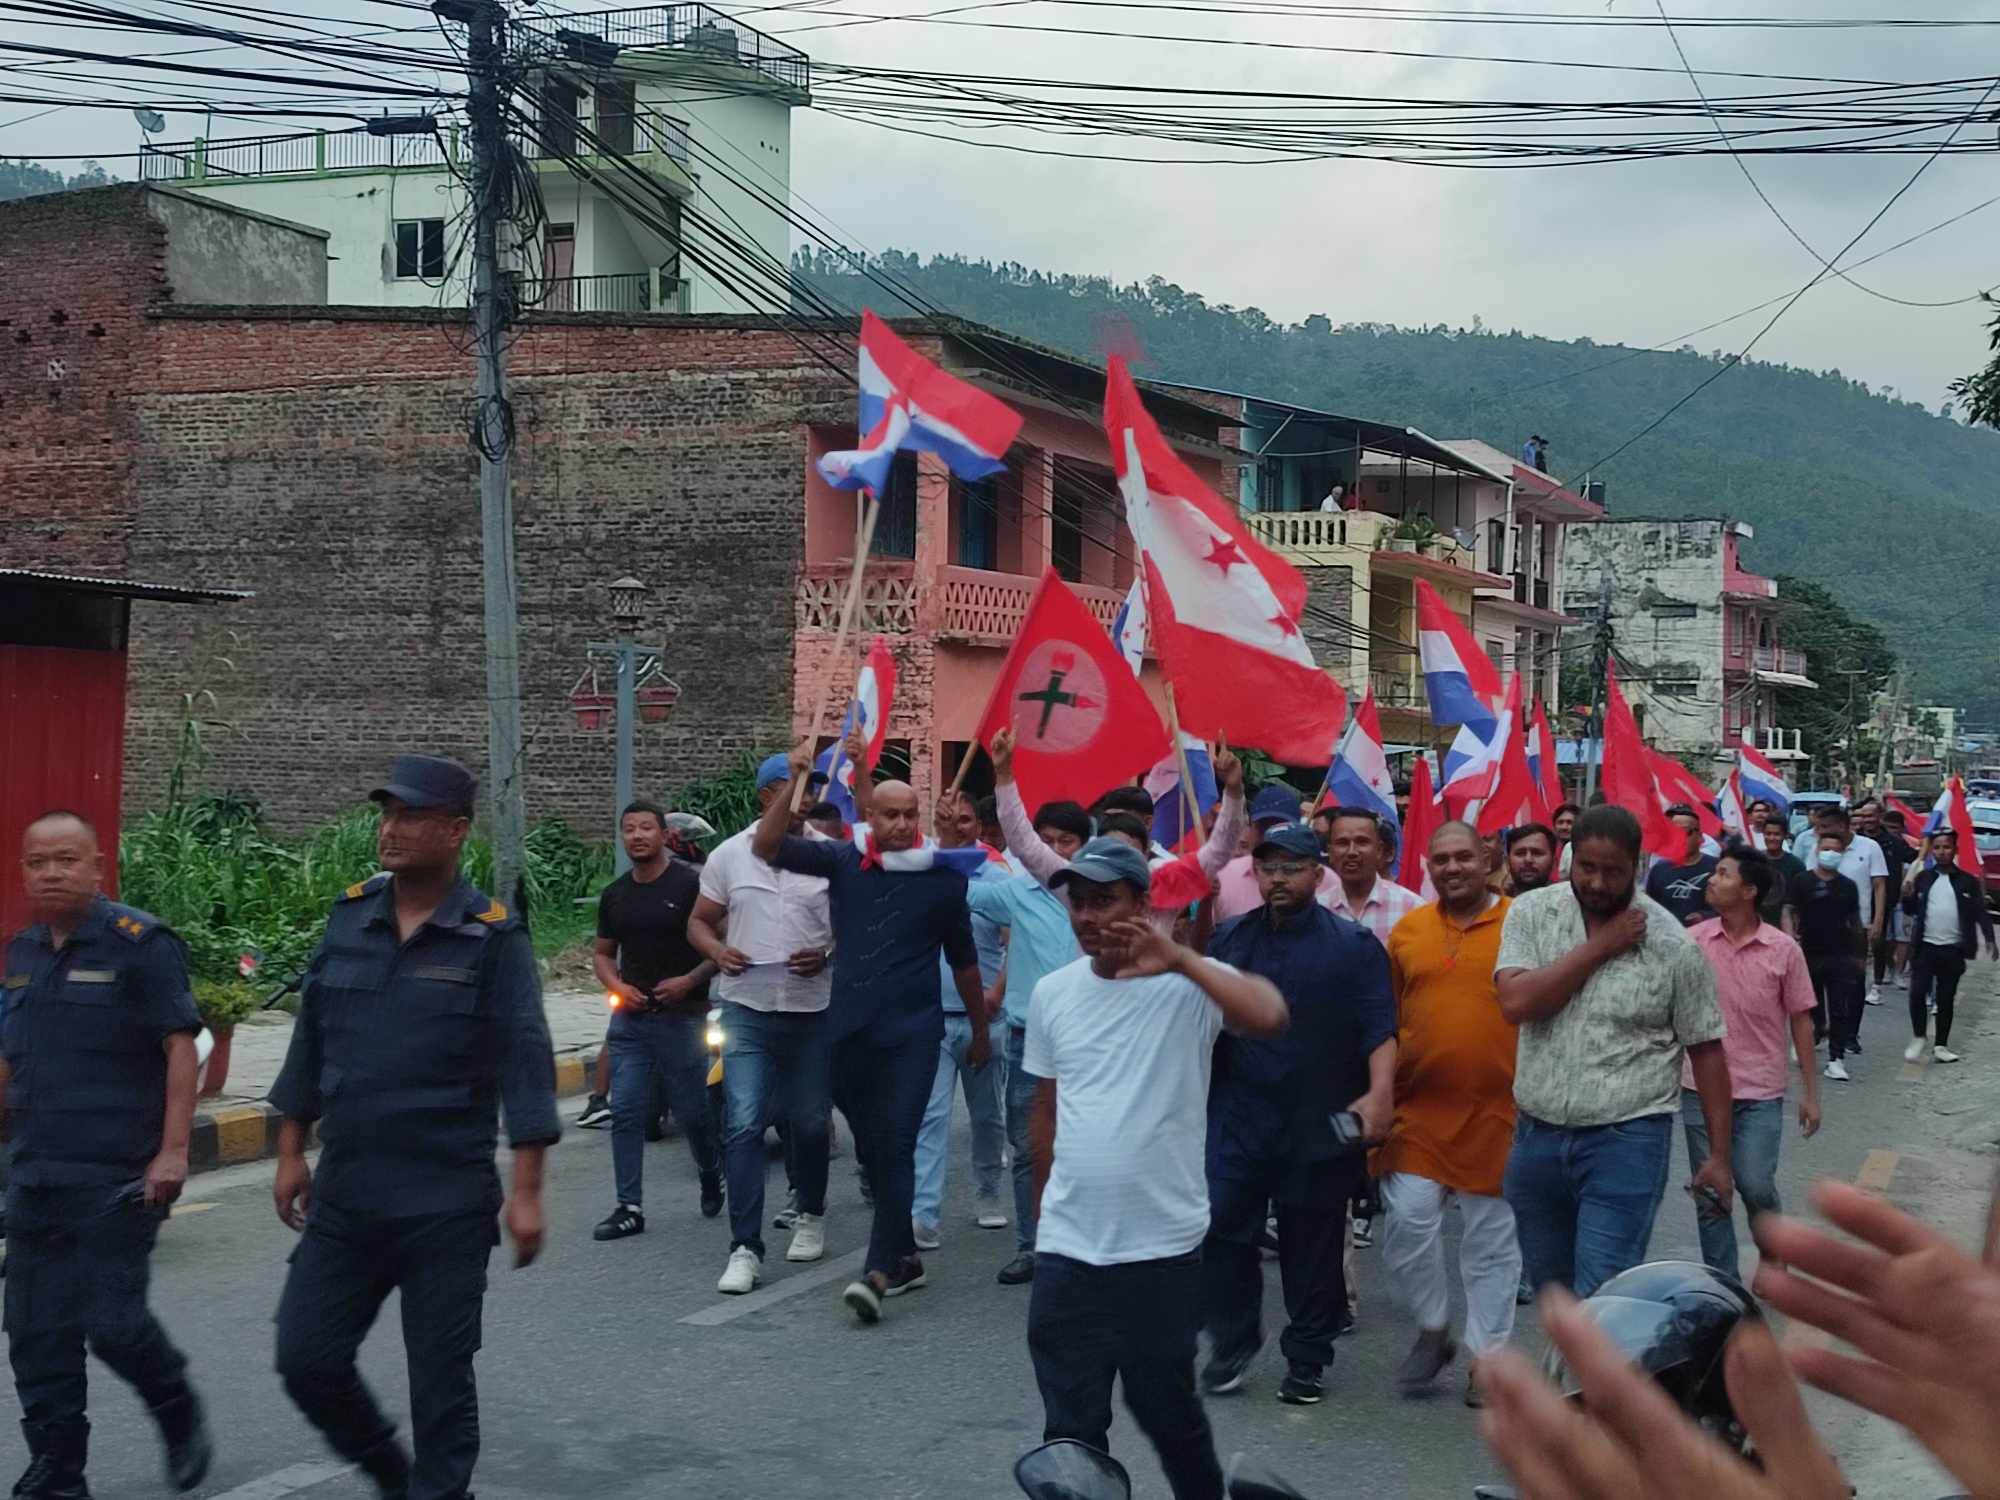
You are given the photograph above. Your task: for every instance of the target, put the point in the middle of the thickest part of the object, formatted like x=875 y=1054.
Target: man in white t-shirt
x=1864 y=865
x=1121 y=1042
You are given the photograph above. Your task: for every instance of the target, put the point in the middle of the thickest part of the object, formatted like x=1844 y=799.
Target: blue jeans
x=1020 y=1086
x=1755 y=1135
x=1584 y=1199
x=673 y=1044
x=982 y=1103
x=774 y=1066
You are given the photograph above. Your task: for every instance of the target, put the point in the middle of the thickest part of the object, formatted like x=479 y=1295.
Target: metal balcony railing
x=691 y=27
x=625 y=292
x=296 y=154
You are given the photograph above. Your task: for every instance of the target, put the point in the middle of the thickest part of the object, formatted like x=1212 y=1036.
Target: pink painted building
x=953 y=566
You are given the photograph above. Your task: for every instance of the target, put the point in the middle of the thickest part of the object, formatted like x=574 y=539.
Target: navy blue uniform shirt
x=1269 y=1097
x=404 y=1051
x=84 y=1030
x=888 y=929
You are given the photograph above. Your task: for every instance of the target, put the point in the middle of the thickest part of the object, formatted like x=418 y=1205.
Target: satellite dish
x=151 y=121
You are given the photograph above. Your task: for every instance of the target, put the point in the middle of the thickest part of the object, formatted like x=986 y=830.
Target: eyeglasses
x=1285 y=869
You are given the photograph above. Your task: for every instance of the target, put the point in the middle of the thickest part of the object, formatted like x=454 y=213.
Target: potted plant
x=1413 y=533
x=221 y=1003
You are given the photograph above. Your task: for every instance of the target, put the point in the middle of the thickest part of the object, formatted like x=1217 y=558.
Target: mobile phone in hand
x=1348 y=1132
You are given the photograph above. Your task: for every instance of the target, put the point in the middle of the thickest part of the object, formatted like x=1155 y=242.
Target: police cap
x=424 y=781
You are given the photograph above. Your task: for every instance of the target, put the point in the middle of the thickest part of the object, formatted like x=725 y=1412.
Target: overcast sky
x=1632 y=253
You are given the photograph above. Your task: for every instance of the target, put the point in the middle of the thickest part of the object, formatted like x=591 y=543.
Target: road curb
x=228 y=1135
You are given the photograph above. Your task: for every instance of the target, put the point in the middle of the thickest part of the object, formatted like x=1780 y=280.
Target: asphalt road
x=615 y=1371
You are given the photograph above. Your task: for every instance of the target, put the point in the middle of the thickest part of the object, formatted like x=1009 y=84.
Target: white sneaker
x=925 y=1236
x=991 y=1215
x=1873 y=997
x=744 y=1271
x=1837 y=1071
x=1915 y=1051
x=1943 y=1054
x=808 y=1238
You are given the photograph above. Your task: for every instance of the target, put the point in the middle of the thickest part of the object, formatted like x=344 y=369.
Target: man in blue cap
x=420 y=1018
x=1236 y=886
x=1271 y=1137
x=769 y=933
x=97 y=1027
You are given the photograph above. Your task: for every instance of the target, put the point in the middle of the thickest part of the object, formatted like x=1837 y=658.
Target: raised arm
x=1026 y=845
x=777 y=819
x=1230 y=821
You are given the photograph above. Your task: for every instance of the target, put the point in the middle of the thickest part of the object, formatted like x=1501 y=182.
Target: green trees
x=1981 y=391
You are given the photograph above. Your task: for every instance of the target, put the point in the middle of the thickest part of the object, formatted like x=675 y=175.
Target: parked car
x=1803 y=801
x=1986 y=831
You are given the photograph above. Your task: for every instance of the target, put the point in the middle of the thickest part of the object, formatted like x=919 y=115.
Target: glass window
x=896 y=527
x=420 y=249
x=978 y=506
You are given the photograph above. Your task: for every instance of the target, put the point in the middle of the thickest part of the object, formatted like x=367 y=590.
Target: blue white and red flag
x=874 y=693
x=1760 y=781
x=1460 y=678
x=1171 y=828
x=1360 y=773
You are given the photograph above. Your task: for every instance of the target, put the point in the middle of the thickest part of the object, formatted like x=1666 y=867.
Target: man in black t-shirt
x=1682 y=888
x=1825 y=916
x=658 y=986
x=1777 y=851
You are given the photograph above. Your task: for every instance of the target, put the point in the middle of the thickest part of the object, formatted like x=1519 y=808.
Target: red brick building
x=179 y=404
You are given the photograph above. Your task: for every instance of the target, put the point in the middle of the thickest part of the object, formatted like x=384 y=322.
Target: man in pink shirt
x=1766 y=996
x=1359 y=890
x=1236 y=885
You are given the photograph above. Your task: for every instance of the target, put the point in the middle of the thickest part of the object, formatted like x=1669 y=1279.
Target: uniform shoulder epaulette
x=131 y=924
x=362 y=888
x=494 y=914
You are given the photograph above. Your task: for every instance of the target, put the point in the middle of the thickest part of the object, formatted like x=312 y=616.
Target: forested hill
x=1895 y=508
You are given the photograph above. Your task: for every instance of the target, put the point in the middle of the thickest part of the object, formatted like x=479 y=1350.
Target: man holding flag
x=1947 y=909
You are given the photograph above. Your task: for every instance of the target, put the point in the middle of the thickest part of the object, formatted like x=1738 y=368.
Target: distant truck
x=1919 y=780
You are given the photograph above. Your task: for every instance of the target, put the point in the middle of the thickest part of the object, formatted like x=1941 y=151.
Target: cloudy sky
x=1634 y=253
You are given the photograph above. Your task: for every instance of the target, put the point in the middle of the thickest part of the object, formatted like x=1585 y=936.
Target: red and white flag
x=1225 y=608
x=1514 y=796
x=1081 y=721
x=1424 y=818
x=1629 y=779
x=1677 y=783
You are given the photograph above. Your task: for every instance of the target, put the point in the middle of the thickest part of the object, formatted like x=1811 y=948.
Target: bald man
x=891 y=921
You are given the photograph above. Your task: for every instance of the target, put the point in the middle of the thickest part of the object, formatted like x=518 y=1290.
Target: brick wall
x=321 y=461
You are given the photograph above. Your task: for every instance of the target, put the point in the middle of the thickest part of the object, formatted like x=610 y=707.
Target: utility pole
x=1889 y=724
x=1600 y=664
x=493 y=436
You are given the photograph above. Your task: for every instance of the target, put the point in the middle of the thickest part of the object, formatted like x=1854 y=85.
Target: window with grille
x=420 y=249
x=896 y=526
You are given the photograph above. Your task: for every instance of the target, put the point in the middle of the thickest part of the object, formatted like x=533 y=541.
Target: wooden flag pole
x=862 y=541
x=964 y=765
x=1180 y=759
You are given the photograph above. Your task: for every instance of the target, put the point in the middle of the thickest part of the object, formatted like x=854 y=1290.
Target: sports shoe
x=1873 y=997
x=1943 y=1054
x=1837 y=1071
x=1915 y=1051
x=808 y=1238
x=908 y=1277
x=991 y=1215
x=1427 y=1358
x=1301 y=1385
x=1364 y=1231
x=866 y=1302
x=1019 y=1271
x=924 y=1234
x=1226 y=1372
x=787 y=1216
x=711 y=1194
x=744 y=1271
x=596 y=1114
x=621 y=1221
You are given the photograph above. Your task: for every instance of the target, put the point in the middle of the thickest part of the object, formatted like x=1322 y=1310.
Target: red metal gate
x=62 y=744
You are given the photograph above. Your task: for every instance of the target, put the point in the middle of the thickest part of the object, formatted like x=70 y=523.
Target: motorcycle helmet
x=1673 y=1319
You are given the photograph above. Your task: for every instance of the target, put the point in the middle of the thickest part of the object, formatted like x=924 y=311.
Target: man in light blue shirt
x=1805 y=846
x=1040 y=941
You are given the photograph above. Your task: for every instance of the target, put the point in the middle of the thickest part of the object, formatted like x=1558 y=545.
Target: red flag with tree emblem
x=1081 y=721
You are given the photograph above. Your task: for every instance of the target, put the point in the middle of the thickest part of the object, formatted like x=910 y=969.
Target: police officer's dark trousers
x=1311 y=1203
x=78 y=1264
x=345 y=1265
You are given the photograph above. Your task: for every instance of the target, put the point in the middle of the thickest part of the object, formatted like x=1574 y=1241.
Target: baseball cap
x=428 y=781
x=776 y=770
x=1104 y=860
x=1289 y=838
x=1276 y=803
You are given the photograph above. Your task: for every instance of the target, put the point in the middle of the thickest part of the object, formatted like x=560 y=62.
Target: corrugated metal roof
x=130 y=588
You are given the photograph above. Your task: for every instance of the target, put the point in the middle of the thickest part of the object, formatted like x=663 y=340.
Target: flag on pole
x=908 y=402
x=1913 y=821
x=1360 y=773
x=1426 y=817
x=1952 y=815
x=1472 y=769
x=1629 y=781
x=1171 y=828
x=1512 y=800
x=1128 y=630
x=1734 y=807
x=874 y=694
x=1460 y=678
x=1678 y=784
x=1761 y=781
x=1081 y=721
x=1542 y=766
x=1225 y=608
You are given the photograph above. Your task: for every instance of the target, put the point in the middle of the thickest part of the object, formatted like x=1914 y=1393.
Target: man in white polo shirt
x=1122 y=1042
x=773 y=989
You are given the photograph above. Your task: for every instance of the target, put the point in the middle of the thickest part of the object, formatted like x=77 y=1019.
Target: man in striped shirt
x=1362 y=892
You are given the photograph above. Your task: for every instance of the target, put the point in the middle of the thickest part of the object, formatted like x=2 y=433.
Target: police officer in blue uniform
x=421 y=1018
x=97 y=1027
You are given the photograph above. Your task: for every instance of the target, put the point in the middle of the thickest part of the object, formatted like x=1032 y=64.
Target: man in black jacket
x=1947 y=910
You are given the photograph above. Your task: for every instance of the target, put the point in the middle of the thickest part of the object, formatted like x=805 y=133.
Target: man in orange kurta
x=1454 y=1120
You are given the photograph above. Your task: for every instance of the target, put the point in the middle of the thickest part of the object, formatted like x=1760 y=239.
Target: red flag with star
x=1224 y=608
x=1081 y=722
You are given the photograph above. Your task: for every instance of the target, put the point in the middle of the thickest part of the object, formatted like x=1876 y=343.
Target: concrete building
x=317 y=456
x=678 y=120
x=1697 y=636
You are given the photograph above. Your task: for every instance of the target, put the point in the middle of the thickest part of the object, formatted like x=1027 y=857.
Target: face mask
x=1829 y=859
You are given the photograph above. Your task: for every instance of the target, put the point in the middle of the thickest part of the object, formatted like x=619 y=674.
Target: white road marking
x=287 y=1481
x=804 y=1281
